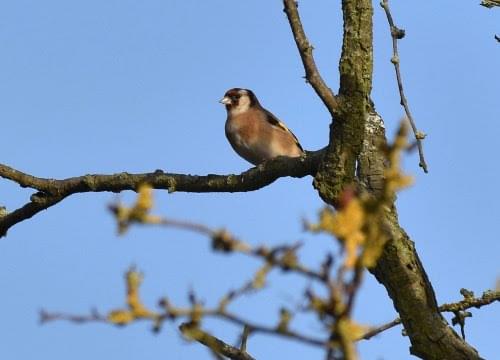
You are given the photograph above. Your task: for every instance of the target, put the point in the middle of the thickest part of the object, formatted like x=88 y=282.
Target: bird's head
x=238 y=100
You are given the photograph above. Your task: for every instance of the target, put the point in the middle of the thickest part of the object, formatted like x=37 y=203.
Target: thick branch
x=305 y=48
x=347 y=131
x=356 y=60
x=399 y=269
x=52 y=191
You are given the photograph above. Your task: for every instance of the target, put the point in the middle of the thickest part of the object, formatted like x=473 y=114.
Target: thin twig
x=94 y=316
x=272 y=330
x=397 y=34
x=224 y=241
x=380 y=329
x=46 y=316
x=244 y=338
x=188 y=225
x=353 y=287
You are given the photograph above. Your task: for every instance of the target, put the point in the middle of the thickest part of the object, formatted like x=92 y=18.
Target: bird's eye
x=235 y=97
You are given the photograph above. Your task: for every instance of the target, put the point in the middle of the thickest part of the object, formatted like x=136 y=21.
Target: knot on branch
x=223 y=241
x=397 y=33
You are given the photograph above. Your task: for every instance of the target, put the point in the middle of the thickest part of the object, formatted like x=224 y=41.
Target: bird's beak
x=225 y=100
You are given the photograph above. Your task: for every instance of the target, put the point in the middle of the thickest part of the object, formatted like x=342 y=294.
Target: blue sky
x=109 y=86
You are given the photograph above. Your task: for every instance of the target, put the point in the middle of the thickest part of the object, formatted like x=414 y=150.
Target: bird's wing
x=274 y=121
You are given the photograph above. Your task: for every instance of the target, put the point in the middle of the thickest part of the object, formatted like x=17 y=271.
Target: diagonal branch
x=52 y=191
x=397 y=34
x=305 y=48
x=400 y=270
x=37 y=204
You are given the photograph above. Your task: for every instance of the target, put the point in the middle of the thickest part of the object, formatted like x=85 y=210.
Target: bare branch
x=490 y=3
x=46 y=316
x=282 y=257
x=380 y=329
x=487 y=298
x=244 y=338
x=52 y=191
x=313 y=76
x=273 y=330
x=397 y=34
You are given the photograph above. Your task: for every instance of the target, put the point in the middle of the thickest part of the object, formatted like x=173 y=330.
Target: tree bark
x=355 y=137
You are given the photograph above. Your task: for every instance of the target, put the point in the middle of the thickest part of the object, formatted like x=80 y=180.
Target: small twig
x=222 y=240
x=397 y=34
x=459 y=319
x=94 y=316
x=255 y=328
x=188 y=225
x=137 y=311
x=353 y=287
x=487 y=298
x=380 y=329
x=244 y=338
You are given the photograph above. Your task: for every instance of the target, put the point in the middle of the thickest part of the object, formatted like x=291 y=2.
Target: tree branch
x=490 y=3
x=305 y=48
x=217 y=345
x=487 y=298
x=52 y=191
x=337 y=169
x=400 y=270
x=397 y=34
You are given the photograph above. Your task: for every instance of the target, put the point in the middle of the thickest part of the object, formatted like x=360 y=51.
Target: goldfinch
x=254 y=132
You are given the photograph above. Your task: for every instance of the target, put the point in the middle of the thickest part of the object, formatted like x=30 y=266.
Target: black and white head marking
x=238 y=101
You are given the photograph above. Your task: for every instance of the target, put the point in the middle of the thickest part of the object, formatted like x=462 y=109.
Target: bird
x=254 y=132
